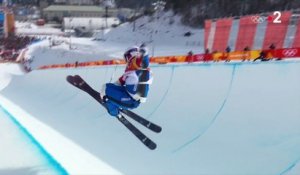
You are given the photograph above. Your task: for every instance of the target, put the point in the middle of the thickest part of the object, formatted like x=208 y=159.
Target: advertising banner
x=287 y=53
x=223 y=29
x=276 y=30
x=297 y=36
x=10 y=21
x=2 y=17
x=246 y=34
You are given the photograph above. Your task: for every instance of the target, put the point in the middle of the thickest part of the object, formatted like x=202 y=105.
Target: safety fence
x=218 y=56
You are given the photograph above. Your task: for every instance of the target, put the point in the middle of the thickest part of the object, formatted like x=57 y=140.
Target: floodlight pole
x=106 y=12
x=158 y=7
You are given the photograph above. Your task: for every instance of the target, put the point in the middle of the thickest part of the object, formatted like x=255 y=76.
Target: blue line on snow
x=213 y=119
x=61 y=170
x=290 y=167
x=165 y=95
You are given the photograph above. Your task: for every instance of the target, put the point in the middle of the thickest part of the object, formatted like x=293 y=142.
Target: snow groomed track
x=234 y=118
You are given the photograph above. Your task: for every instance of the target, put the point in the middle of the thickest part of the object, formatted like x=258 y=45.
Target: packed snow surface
x=217 y=118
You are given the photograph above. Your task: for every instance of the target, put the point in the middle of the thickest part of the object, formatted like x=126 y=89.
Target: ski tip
x=158 y=130
x=69 y=78
x=77 y=76
x=152 y=146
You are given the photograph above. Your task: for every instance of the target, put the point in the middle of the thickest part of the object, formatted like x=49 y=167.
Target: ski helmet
x=143 y=49
x=131 y=52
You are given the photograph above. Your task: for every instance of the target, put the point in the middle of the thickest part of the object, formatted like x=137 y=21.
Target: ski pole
x=113 y=74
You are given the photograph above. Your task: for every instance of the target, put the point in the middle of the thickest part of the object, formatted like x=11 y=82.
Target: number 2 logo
x=277 y=15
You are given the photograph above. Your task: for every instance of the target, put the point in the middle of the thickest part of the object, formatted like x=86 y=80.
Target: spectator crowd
x=11 y=46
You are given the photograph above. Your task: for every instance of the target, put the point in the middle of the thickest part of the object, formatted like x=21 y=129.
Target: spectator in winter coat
x=246 y=54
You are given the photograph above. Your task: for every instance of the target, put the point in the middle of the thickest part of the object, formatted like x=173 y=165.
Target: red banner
x=199 y=58
x=246 y=34
x=276 y=32
x=219 y=56
x=223 y=27
x=287 y=53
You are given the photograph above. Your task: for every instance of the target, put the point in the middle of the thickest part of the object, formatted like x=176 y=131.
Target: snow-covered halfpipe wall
x=234 y=118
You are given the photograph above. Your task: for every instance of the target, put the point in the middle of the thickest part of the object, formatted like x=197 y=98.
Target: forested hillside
x=195 y=11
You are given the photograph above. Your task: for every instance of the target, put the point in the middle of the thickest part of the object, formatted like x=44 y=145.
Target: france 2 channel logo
x=275 y=18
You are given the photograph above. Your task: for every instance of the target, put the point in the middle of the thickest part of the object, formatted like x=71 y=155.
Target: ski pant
x=117 y=98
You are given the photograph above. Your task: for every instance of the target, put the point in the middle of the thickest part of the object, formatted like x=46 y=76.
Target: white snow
x=233 y=119
x=27 y=28
x=66 y=152
x=7 y=70
x=18 y=154
x=168 y=40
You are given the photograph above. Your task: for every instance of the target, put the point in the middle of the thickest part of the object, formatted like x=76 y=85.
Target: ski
x=142 y=137
x=81 y=84
x=78 y=82
x=141 y=120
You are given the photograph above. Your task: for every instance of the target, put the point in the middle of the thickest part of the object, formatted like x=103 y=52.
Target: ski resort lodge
x=58 y=12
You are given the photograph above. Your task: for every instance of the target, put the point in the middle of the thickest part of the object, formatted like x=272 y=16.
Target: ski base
x=142 y=137
x=153 y=127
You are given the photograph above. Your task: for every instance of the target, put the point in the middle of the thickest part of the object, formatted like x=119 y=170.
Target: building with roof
x=58 y=12
x=89 y=24
x=75 y=2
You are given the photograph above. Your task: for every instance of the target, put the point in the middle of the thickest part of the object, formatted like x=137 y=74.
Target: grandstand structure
x=260 y=31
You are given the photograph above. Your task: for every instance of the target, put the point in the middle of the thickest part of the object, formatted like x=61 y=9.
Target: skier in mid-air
x=127 y=93
x=132 y=87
